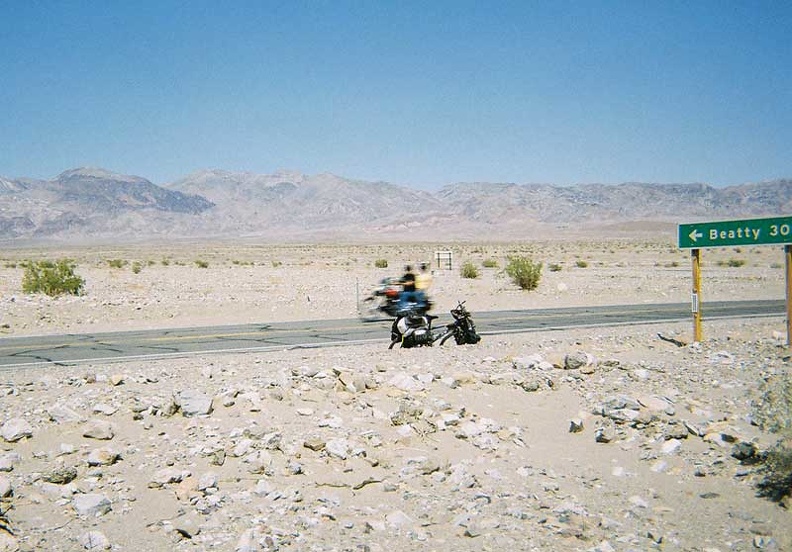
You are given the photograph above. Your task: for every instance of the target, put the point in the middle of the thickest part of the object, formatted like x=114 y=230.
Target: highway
x=74 y=349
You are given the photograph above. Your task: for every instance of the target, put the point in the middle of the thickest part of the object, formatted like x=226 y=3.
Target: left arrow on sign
x=694 y=235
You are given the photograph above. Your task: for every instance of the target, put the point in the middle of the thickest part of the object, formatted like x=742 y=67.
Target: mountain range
x=91 y=204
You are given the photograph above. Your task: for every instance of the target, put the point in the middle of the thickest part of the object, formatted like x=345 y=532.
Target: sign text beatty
x=776 y=230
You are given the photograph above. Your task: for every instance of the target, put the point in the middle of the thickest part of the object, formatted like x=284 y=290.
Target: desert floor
x=508 y=444
x=249 y=283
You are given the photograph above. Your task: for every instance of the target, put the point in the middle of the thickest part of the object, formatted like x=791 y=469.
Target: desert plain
x=585 y=439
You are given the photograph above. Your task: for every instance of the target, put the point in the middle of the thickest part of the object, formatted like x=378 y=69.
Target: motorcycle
x=412 y=329
x=384 y=300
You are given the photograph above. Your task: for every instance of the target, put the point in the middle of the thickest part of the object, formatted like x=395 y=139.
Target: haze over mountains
x=89 y=204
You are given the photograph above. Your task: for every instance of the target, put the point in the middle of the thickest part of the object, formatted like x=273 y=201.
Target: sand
x=588 y=439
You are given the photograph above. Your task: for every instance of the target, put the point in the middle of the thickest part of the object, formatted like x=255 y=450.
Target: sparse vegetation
x=200 y=263
x=116 y=263
x=732 y=263
x=381 y=263
x=469 y=270
x=137 y=266
x=52 y=278
x=554 y=267
x=524 y=272
x=774 y=413
x=490 y=263
x=777 y=471
x=580 y=263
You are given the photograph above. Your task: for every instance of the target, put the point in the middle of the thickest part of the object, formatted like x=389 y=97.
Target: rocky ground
x=181 y=285
x=592 y=439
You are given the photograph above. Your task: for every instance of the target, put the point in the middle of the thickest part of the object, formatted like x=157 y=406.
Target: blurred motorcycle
x=384 y=301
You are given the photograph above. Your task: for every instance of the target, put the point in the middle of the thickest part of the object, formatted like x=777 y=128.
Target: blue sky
x=416 y=93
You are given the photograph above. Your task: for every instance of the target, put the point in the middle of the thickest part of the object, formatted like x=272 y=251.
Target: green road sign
x=777 y=230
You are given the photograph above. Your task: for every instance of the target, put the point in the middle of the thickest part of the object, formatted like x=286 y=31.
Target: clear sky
x=417 y=93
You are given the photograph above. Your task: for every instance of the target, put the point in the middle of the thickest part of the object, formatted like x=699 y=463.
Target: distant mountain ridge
x=89 y=204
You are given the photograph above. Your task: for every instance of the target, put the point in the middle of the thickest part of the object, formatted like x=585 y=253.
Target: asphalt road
x=72 y=349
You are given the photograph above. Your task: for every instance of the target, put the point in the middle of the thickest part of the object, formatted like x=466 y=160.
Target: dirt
x=504 y=444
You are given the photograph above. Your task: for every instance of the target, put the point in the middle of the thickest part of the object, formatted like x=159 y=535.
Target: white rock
x=8 y=543
x=63 y=414
x=194 y=403
x=105 y=409
x=103 y=457
x=527 y=362
x=659 y=467
x=653 y=403
x=406 y=383
x=398 y=519
x=91 y=505
x=99 y=429
x=331 y=421
x=166 y=476
x=5 y=487
x=638 y=502
x=94 y=540
x=207 y=481
x=16 y=429
x=671 y=446
x=8 y=461
x=339 y=448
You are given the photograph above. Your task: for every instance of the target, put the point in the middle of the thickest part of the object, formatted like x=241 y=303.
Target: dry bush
x=469 y=270
x=524 y=272
x=52 y=278
x=774 y=413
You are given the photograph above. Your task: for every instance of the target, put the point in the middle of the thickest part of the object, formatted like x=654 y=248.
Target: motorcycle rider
x=409 y=295
x=423 y=281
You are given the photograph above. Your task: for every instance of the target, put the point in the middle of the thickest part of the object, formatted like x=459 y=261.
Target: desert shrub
x=10 y=265
x=554 y=267
x=524 y=272
x=776 y=470
x=469 y=270
x=580 y=263
x=381 y=263
x=116 y=263
x=731 y=263
x=776 y=265
x=200 y=263
x=137 y=266
x=773 y=412
x=276 y=264
x=490 y=263
x=52 y=278
x=166 y=262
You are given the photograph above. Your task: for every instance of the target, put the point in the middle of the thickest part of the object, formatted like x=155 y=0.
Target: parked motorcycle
x=412 y=329
x=384 y=301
